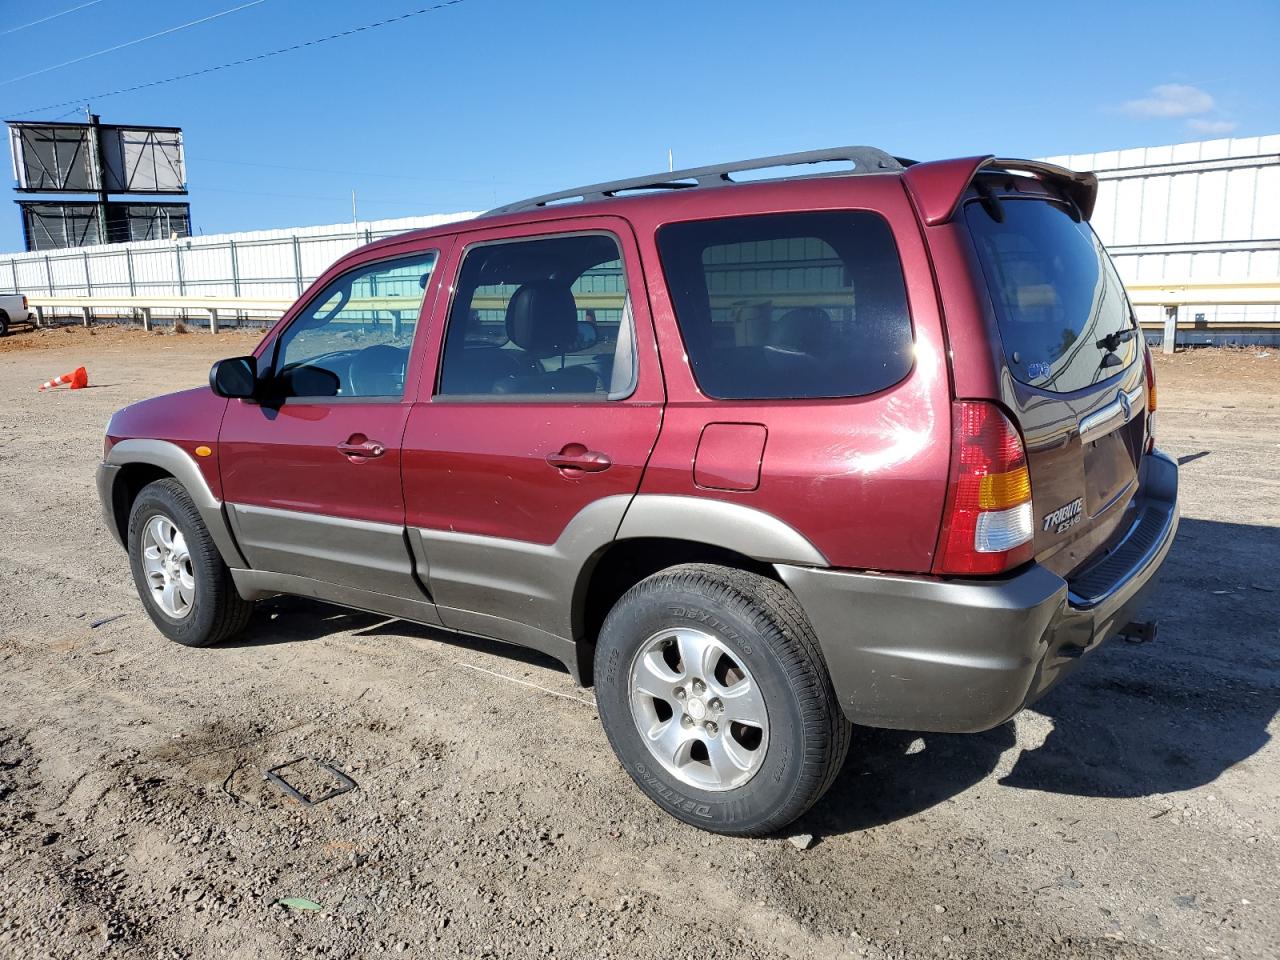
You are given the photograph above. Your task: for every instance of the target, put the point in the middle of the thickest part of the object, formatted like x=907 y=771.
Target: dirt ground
x=1135 y=812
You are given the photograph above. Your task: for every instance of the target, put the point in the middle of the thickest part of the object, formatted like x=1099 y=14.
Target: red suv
x=758 y=459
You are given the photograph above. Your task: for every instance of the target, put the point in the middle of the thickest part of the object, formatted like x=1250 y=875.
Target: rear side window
x=546 y=317
x=792 y=305
x=1063 y=316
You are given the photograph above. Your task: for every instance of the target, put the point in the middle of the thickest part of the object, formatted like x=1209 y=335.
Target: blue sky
x=491 y=100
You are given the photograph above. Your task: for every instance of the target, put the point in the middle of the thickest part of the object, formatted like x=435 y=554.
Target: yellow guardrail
x=216 y=308
x=1199 y=293
x=213 y=307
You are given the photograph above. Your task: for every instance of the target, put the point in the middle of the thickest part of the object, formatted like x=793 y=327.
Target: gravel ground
x=1133 y=813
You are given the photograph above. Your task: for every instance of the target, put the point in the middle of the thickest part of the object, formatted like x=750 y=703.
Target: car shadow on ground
x=298 y=619
x=1133 y=721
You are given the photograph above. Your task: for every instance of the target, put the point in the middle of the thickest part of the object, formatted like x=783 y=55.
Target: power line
x=130 y=43
x=52 y=16
x=343 y=197
x=361 y=173
x=245 y=60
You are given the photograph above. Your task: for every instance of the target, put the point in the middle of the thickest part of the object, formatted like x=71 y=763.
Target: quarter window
x=545 y=317
x=353 y=338
x=789 y=305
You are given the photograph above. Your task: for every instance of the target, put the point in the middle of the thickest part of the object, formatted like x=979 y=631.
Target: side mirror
x=307 y=381
x=588 y=336
x=236 y=378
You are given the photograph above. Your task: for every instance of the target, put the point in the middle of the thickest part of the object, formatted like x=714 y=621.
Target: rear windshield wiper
x=1111 y=342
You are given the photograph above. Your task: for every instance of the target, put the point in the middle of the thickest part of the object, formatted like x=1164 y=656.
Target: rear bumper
x=965 y=655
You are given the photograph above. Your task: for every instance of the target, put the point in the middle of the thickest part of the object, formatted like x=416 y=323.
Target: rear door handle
x=360 y=447
x=575 y=458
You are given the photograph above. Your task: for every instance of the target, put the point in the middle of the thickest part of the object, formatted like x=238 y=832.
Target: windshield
x=1063 y=314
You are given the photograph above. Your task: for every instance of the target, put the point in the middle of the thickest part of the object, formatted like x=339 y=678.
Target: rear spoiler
x=937 y=187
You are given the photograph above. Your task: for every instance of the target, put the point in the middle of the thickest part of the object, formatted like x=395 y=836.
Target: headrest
x=802 y=330
x=542 y=319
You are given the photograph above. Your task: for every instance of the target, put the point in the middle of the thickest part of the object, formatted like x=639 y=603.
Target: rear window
x=789 y=305
x=1064 y=319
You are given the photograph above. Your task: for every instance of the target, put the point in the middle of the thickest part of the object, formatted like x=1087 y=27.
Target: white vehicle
x=14 y=310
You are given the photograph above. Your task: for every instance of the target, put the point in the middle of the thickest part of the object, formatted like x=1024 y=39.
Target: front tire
x=180 y=577
x=4 y=323
x=716 y=699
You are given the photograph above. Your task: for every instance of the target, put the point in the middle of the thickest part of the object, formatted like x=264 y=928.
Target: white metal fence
x=268 y=264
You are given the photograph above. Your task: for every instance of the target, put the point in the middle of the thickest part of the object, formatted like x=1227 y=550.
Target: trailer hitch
x=1139 y=631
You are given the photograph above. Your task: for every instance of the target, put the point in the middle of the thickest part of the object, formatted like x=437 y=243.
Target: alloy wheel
x=699 y=710
x=167 y=563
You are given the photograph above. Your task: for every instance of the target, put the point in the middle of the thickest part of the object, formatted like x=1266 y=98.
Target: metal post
x=133 y=291
x=99 y=173
x=182 y=283
x=235 y=268
x=39 y=316
x=88 y=280
x=88 y=319
x=235 y=278
x=213 y=320
x=297 y=264
x=48 y=273
x=13 y=268
x=1170 y=330
x=146 y=319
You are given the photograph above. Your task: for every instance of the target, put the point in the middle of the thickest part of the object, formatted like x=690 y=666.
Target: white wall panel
x=264 y=261
x=1182 y=209
x=1266 y=211
x=1127 y=223
x=1155 y=210
x=1210 y=205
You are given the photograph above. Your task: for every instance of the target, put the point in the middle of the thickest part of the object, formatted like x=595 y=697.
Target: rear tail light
x=987 y=525
x=24 y=301
x=1150 y=371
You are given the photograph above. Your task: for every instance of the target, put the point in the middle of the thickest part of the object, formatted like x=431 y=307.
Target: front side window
x=546 y=317
x=353 y=338
x=794 y=305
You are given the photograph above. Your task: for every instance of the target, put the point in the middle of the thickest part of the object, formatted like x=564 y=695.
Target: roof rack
x=864 y=160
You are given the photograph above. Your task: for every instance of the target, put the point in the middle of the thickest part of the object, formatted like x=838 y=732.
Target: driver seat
x=542 y=320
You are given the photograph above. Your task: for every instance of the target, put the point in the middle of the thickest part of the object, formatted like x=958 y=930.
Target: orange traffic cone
x=78 y=378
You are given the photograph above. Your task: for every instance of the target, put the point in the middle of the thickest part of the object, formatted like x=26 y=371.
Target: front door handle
x=575 y=458
x=360 y=447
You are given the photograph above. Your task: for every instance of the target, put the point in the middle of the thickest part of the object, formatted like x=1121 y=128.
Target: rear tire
x=684 y=653
x=4 y=323
x=180 y=577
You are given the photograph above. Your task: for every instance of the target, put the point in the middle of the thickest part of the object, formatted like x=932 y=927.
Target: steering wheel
x=377 y=371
